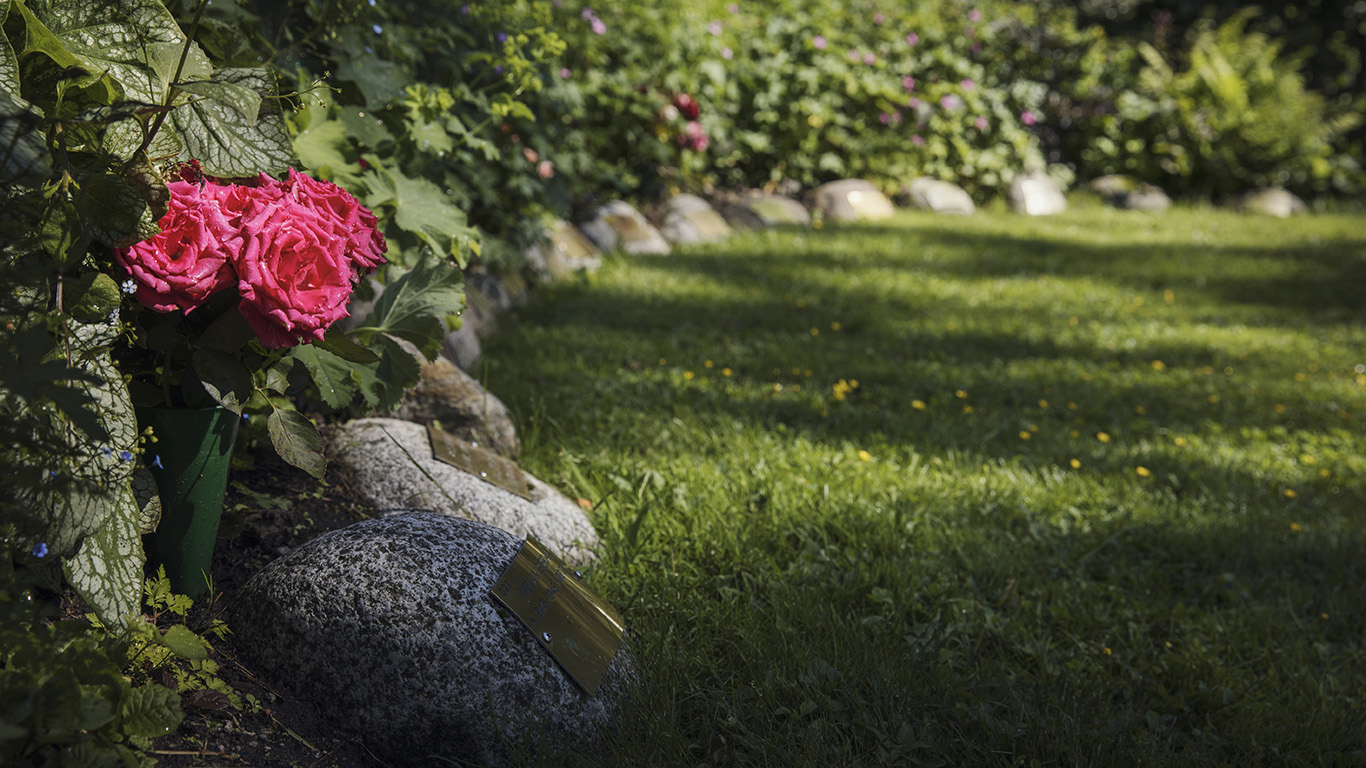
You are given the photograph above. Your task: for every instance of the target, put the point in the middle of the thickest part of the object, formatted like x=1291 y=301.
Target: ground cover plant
x=1083 y=490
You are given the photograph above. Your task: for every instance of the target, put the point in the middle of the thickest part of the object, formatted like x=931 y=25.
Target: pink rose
x=191 y=258
x=294 y=274
x=365 y=244
x=545 y=169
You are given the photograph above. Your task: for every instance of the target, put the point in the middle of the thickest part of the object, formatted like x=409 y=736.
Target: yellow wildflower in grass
x=807 y=373
x=1043 y=404
x=1107 y=652
x=815 y=331
x=961 y=394
x=919 y=405
x=688 y=375
x=1072 y=321
x=1280 y=408
x=1301 y=377
x=853 y=383
x=866 y=456
x=1214 y=399
x=1307 y=459
x=708 y=363
x=967 y=409
x=726 y=371
x=1140 y=410
x=1104 y=437
x=1290 y=493
x=1071 y=406
x=1034 y=428
x=1180 y=441
x=1025 y=434
x=841 y=389
x=1075 y=463
x=777 y=386
x=1325 y=473
x=1158 y=365
x=1144 y=472
x=1296 y=527
x=662 y=361
x=835 y=326
x=1169 y=296
x=1074 y=434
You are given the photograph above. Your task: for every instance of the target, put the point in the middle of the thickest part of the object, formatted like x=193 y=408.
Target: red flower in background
x=687 y=106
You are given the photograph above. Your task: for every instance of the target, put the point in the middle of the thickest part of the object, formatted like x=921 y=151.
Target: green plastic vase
x=193 y=449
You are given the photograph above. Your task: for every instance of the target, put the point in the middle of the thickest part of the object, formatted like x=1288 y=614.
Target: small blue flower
x=378 y=29
x=52 y=473
x=125 y=456
x=156 y=461
x=246 y=417
x=106 y=452
x=129 y=286
x=501 y=37
x=114 y=317
x=39 y=550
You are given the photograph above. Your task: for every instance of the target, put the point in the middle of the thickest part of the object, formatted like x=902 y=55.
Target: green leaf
x=116 y=211
x=39 y=39
x=245 y=101
x=178 y=639
x=297 y=441
x=24 y=159
x=62 y=233
x=224 y=377
x=321 y=148
x=415 y=306
x=365 y=127
x=9 y=63
x=223 y=143
x=137 y=42
x=107 y=570
x=399 y=370
x=330 y=373
x=150 y=711
x=338 y=343
x=92 y=297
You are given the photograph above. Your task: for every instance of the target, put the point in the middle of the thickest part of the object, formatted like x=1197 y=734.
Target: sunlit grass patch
x=1084 y=490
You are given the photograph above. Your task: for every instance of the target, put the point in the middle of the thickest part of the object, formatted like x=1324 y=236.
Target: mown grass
x=1096 y=497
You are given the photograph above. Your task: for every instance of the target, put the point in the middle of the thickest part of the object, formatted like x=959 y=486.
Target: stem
x=170 y=89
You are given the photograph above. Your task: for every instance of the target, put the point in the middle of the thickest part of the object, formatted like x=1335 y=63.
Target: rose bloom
x=545 y=169
x=819 y=42
x=191 y=258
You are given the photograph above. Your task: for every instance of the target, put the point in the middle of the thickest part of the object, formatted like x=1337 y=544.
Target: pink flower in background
x=908 y=83
x=980 y=123
x=869 y=59
x=598 y=26
x=913 y=102
x=693 y=137
x=727 y=53
x=968 y=85
x=884 y=118
x=687 y=105
x=878 y=18
x=545 y=169
x=714 y=28
x=733 y=8
x=974 y=15
x=912 y=39
x=950 y=102
x=565 y=74
x=191 y=259
x=854 y=55
x=1028 y=118
x=918 y=140
x=818 y=42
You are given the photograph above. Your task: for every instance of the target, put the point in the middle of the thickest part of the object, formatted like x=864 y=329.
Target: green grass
x=1098 y=498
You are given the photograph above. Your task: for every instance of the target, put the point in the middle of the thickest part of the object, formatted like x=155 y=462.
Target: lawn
x=988 y=490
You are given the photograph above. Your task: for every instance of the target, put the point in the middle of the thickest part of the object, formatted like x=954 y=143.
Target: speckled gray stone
x=618 y=226
x=563 y=251
x=852 y=200
x=388 y=627
x=690 y=219
x=1035 y=194
x=1272 y=201
x=939 y=196
x=391 y=466
x=465 y=409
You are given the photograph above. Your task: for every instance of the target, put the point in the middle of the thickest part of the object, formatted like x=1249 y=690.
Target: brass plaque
x=581 y=631
x=483 y=464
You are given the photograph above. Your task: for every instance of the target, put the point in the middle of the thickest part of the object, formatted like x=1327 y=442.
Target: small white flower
x=114 y=317
x=129 y=286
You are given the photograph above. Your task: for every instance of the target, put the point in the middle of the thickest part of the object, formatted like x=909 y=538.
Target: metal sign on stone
x=580 y=630
x=483 y=464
